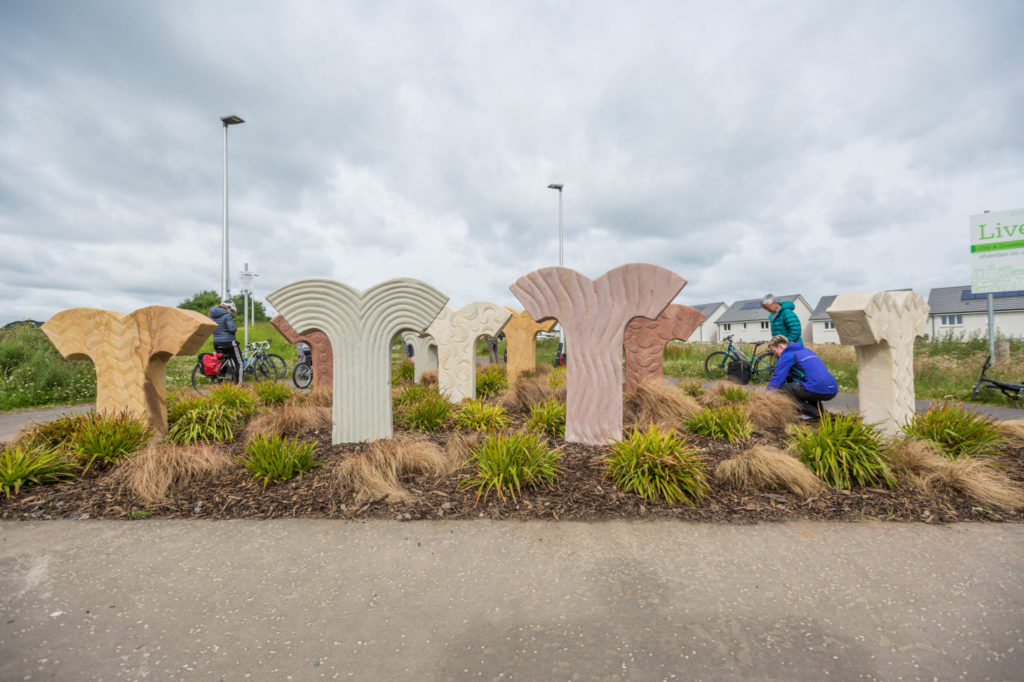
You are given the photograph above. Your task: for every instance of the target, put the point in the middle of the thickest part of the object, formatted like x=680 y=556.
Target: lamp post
x=227 y=121
x=561 y=261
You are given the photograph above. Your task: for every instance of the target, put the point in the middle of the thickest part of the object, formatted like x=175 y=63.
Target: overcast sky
x=793 y=147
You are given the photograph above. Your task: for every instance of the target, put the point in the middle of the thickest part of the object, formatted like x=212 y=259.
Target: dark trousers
x=808 y=401
x=231 y=350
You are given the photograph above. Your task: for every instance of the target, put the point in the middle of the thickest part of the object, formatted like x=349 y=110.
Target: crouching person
x=800 y=374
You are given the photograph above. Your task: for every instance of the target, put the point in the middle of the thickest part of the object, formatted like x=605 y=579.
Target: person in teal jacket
x=784 y=320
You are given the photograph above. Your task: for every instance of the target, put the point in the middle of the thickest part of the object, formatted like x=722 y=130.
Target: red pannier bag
x=211 y=363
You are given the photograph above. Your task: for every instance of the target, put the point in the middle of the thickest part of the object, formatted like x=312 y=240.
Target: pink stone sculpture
x=320 y=347
x=594 y=314
x=130 y=353
x=456 y=332
x=521 y=342
x=645 y=341
x=360 y=326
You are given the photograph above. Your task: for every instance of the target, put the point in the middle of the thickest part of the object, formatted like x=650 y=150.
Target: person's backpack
x=210 y=363
x=739 y=371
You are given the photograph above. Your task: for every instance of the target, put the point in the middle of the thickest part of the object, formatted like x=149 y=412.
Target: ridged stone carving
x=645 y=341
x=424 y=353
x=456 y=332
x=319 y=346
x=882 y=326
x=521 y=342
x=130 y=353
x=360 y=326
x=594 y=314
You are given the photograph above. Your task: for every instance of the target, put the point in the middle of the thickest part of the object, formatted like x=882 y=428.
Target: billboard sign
x=997 y=251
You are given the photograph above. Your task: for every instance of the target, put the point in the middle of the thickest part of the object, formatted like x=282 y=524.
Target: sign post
x=997 y=258
x=247 y=278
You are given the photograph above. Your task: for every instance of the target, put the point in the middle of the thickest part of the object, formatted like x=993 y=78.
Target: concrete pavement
x=378 y=600
x=12 y=422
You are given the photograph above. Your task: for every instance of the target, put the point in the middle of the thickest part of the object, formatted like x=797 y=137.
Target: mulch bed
x=582 y=493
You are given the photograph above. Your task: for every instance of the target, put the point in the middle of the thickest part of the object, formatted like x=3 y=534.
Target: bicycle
x=1009 y=389
x=256 y=361
x=302 y=375
x=716 y=364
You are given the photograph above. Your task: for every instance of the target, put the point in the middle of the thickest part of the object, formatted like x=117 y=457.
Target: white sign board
x=997 y=251
x=246 y=278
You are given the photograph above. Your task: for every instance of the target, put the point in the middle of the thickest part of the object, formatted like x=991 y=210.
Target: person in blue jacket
x=782 y=315
x=224 y=335
x=800 y=374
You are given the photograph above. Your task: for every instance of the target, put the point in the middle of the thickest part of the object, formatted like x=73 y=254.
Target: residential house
x=958 y=311
x=748 y=322
x=707 y=332
x=822 y=328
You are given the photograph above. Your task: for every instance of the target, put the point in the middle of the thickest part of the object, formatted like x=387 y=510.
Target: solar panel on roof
x=750 y=304
x=967 y=295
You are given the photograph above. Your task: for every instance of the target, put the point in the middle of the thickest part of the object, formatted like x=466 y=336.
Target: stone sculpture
x=645 y=340
x=130 y=353
x=319 y=346
x=594 y=314
x=360 y=327
x=456 y=332
x=520 y=341
x=882 y=326
x=424 y=353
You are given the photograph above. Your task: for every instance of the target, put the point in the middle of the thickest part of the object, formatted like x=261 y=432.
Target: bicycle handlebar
x=253 y=345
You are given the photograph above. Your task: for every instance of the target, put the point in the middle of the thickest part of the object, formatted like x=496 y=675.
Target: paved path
x=310 y=600
x=12 y=422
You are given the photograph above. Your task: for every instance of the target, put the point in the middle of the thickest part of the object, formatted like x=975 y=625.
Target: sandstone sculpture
x=424 y=353
x=130 y=353
x=319 y=346
x=360 y=327
x=594 y=314
x=882 y=325
x=456 y=332
x=645 y=340
x=520 y=341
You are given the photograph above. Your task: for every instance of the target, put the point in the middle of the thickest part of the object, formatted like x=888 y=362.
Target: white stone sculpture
x=882 y=326
x=456 y=332
x=424 y=353
x=360 y=326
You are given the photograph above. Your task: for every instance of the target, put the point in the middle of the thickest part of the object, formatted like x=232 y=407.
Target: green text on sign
x=1000 y=246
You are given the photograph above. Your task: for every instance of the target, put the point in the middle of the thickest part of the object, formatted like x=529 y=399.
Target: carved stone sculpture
x=594 y=314
x=360 y=326
x=424 y=353
x=521 y=341
x=130 y=353
x=645 y=340
x=456 y=332
x=882 y=325
x=319 y=346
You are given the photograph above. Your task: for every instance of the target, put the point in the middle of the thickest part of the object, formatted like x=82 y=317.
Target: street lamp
x=227 y=121
x=561 y=263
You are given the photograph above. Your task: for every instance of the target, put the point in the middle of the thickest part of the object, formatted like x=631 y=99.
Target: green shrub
x=426 y=414
x=957 y=432
x=403 y=373
x=108 y=438
x=508 y=463
x=491 y=380
x=278 y=459
x=184 y=401
x=658 y=464
x=692 y=388
x=557 y=377
x=480 y=416
x=56 y=434
x=734 y=394
x=548 y=418
x=412 y=394
x=33 y=373
x=24 y=465
x=727 y=422
x=843 y=451
x=238 y=398
x=206 y=423
x=271 y=393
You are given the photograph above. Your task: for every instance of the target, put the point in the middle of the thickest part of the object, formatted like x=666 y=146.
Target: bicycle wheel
x=716 y=365
x=279 y=365
x=764 y=366
x=302 y=376
x=200 y=380
x=264 y=369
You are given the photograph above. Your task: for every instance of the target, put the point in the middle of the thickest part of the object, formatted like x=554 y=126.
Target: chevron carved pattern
x=645 y=340
x=319 y=346
x=130 y=353
x=456 y=332
x=882 y=326
x=594 y=314
x=359 y=326
x=424 y=353
x=521 y=342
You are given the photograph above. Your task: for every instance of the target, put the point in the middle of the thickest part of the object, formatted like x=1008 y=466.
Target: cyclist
x=802 y=376
x=224 y=335
x=784 y=320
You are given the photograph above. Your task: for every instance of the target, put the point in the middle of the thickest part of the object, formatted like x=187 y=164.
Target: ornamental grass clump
x=208 y=423
x=377 y=471
x=723 y=392
x=108 y=438
x=956 y=431
x=278 y=459
x=238 y=398
x=403 y=373
x=1012 y=431
x=428 y=413
x=548 y=418
x=23 y=465
x=508 y=463
x=182 y=402
x=476 y=415
x=771 y=409
x=56 y=434
x=157 y=472
x=658 y=465
x=289 y=420
x=726 y=422
x=491 y=380
x=527 y=390
x=271 y=393
x=655 y=402
x=411 y=394
x=765 y=468
x=843 y=451
x=691 y=387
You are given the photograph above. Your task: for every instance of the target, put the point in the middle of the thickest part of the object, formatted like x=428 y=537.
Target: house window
x=949 y=320
x=829 y=324
x=726 y=327
x=744 y=325
x=764 y=325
